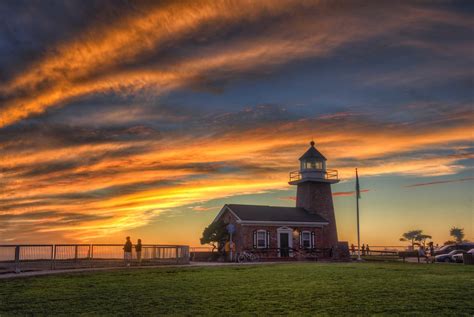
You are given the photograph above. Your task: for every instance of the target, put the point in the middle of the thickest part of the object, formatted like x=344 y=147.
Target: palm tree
x=457 y=234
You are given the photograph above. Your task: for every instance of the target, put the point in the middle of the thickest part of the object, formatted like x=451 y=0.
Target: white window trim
x=264 y=239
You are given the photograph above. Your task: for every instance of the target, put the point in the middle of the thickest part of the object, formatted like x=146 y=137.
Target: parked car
x=459 y=258
x=466 y=246
x=448 y=257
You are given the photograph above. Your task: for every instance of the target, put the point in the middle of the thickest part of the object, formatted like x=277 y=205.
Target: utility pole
x=358 y=226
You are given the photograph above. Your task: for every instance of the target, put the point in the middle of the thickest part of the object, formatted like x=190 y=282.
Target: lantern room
x=313 y=168
x=312 y=160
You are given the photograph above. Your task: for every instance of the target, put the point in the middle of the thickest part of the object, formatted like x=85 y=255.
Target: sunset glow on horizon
x=145 y=118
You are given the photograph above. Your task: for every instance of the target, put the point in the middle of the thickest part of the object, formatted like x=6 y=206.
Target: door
x=284 y=245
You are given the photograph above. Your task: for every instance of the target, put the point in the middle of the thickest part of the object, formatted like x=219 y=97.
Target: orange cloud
x=99 y=60
x=441 y=182
x=351 y=193
x=128 y=191
x=292 y=198
x=96 y=51
x=202 y=208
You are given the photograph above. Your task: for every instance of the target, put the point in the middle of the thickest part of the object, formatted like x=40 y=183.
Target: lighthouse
x=301 y=232
x=313 y=182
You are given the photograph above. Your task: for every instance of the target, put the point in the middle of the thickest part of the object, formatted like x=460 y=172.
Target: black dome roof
x=312 y=153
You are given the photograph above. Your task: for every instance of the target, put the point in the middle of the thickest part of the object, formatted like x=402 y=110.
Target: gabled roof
x=312 y=153
x=256 y=213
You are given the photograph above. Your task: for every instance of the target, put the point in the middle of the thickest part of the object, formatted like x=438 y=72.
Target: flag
x=357 y=185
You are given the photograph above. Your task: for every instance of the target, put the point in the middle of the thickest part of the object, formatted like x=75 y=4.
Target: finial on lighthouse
x=312 y=143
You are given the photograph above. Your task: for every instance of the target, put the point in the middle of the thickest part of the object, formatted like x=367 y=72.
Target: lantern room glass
x=312 y=164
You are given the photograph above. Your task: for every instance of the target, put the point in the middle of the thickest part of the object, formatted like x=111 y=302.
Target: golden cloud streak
x=256 y=147
x=137 y=34
x=97 y=51
x=91 y=63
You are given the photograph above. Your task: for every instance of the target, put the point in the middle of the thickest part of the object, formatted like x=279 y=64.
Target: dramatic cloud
x=112 y=174
x=113 y=113
x=111 y=57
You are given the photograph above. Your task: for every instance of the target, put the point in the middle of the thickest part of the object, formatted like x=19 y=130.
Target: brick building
x=291 y=231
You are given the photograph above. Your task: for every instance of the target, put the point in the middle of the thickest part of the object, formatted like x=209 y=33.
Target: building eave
x=282 y=223
x=223 y=210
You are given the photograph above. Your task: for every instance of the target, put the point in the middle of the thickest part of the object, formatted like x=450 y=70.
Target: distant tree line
x=417 y=237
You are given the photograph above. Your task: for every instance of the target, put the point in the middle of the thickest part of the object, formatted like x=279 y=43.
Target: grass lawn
x=297 y=289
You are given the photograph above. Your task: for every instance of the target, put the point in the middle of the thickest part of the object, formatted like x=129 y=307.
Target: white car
x=458 y=258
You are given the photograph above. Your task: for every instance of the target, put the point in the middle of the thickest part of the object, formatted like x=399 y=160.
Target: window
x=261 y=239
x=306 y=239
x=313 y=164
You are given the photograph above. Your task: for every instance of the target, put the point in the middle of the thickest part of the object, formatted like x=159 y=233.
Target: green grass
x=383 y=258
x=295 y=289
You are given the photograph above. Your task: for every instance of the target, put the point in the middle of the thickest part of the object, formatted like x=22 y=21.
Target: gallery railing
x=327 y=174
x=18 y=258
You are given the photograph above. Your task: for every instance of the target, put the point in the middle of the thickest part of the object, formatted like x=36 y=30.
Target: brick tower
x=314 y=194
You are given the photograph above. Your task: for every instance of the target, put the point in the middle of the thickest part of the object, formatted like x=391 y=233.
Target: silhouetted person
x=127 y=251
x=363 y=249
x=138 y=249
x=431 y=246
x=432 y=256
x=367 y=250
x=353 y=249
x=422 y=253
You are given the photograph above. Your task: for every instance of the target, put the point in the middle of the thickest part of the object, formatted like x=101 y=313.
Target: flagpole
x=358 y=227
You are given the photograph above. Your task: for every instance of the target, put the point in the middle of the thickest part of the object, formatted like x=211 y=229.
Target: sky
x=144 y=118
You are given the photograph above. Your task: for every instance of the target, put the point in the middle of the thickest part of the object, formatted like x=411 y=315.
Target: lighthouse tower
x=313 y=182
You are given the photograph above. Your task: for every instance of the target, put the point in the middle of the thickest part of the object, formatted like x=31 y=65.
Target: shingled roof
x=249 y=213
x=312 y=152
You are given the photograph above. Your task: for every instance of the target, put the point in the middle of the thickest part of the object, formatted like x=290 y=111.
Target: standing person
x=127 y=251
x=138 y=249
x=367 y=249
x=353 y=249
x=422 y=253
x=432 y=254
x=431 y=246
x=363 y=249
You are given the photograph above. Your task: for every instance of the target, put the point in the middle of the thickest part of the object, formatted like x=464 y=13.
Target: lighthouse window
x=306 y=239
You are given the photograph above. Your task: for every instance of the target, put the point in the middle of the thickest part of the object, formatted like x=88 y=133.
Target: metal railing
x=202 y=249
x=29 y=257
x=327 y=174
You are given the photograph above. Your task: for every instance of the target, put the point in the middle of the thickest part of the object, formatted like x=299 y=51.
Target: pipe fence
x=21 y=258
